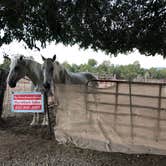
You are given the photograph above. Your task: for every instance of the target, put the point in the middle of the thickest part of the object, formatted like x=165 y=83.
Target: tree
x=67 y=65
x=104 y=67
x=115 y=26
x=92 y=62
x=84 y=67
x=75 y=68
x=153 y=72
x=117 y=71
x=162 y=73
x=5 y=65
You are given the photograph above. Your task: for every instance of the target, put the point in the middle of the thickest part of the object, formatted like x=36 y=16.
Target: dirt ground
x=21 y=144
x=24 y=145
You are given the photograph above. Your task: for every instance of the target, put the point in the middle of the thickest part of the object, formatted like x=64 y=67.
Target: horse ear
x=6 y=57
x=43 y=58
x=54 y=57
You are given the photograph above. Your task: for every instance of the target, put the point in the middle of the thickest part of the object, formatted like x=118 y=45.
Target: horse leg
x=45 y=119
x=35 y=120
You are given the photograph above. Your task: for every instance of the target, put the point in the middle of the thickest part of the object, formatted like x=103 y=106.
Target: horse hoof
x=34 y=124
x=44 y=124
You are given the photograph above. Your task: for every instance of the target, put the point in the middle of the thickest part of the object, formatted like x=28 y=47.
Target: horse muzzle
x=12 y=84
x=46 y=86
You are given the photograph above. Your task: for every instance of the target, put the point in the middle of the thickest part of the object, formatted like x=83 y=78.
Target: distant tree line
x=127 y=72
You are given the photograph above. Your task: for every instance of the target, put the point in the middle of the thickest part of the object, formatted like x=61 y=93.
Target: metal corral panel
x=124 y=117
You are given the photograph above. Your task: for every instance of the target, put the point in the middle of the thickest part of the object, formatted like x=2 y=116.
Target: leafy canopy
x=114 y=26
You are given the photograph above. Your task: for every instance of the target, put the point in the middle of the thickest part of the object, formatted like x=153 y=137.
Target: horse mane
x=62 y=73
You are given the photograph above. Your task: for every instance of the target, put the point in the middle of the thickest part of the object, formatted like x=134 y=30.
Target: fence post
x=3 y=77
x=131 y=112
x=116 y=104
x=48 y=113
x=86 y=99
x=158 y=114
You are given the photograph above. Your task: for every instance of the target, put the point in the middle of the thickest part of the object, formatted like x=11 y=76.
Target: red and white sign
x=27 y=102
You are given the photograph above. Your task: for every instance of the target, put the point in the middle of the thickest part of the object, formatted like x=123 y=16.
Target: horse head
x=48 y=69
x=17 y=70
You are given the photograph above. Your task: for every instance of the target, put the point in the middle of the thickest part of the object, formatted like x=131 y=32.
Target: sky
x=79 y=56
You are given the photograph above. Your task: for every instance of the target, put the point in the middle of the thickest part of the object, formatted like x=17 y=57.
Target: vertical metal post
x=86 y=96
x=48 y=113
x=158 y=114
x=131 y=112
x=116 y=104
x=3 y=77
x=1 y=92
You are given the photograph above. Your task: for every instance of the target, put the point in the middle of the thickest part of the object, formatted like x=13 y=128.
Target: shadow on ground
x=21 y=144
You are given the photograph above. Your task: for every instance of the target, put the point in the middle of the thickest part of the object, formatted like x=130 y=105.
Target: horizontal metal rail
x=126 y=94
x=128 y=105
x=126 y=114
x=127 y=82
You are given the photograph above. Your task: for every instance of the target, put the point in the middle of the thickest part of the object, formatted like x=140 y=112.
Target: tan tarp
x=92 y=120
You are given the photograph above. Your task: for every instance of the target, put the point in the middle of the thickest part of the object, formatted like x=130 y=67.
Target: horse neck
x=61 y=74
x=34 y=72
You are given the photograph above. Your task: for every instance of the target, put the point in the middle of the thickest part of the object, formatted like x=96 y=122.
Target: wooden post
x=48 y=113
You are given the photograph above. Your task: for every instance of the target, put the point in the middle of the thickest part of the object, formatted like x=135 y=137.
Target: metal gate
x=127 y=117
